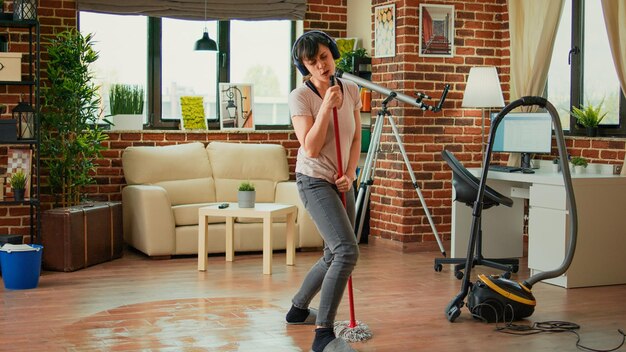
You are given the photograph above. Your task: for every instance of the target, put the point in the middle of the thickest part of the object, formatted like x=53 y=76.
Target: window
x=582 y=70
x=184 y=71
x=158 y=53
x=122 y=58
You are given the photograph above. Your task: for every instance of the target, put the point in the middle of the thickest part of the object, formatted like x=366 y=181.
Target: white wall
x=360 y=22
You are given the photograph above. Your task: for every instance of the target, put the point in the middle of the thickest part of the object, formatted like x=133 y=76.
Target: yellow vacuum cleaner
x=493 y=298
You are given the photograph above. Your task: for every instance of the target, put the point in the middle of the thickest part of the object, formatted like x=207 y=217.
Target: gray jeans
x=330 y=274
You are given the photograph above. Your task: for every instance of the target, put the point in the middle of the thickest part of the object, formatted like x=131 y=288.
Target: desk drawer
x=547 y=196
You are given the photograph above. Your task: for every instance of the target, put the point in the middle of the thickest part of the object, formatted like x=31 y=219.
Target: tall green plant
x=126 y=99
x=71 y=140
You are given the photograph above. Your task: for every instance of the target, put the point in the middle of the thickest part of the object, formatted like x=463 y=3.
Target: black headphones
x=332 y=45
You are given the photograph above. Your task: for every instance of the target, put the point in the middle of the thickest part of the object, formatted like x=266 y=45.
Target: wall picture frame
x=385 y=31
x=236 y=106
x=436 y=30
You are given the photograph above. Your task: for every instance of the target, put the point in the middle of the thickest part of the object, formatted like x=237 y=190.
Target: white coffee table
x=265 y=211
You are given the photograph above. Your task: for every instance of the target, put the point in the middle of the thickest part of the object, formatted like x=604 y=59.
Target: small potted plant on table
x=579 y=164
x=246 y=195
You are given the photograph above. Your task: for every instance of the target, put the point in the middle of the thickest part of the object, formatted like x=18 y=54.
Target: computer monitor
x=524 y=133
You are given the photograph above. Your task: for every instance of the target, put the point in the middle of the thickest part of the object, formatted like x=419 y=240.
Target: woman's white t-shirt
x=303 y=101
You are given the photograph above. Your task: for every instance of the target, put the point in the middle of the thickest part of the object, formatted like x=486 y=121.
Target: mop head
x=360 y=332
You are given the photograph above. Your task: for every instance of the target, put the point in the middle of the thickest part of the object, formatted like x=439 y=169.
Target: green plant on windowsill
x=589 y=116
x=579 y=161
x=246 y=186
x=126 y=99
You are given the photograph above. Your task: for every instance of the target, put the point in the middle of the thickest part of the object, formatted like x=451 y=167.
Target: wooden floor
x=138 y=304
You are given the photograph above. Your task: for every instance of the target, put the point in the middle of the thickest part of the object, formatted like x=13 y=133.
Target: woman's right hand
x=332 y=98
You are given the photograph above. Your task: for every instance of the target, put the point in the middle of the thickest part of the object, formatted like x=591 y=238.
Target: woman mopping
x=319 y=185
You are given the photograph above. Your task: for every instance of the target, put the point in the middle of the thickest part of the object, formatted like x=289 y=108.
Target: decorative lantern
x=24 y=10
x=24 y=114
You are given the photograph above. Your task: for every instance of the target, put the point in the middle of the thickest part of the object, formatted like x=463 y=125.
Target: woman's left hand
x=344 y=183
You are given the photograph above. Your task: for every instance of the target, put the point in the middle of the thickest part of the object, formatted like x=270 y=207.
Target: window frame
x=577 y=79
x=155 y=120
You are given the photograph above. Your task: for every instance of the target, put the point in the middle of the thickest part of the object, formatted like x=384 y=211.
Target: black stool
x=466 y=187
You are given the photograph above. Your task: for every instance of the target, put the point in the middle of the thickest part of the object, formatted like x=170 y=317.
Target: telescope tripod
x=367 y=173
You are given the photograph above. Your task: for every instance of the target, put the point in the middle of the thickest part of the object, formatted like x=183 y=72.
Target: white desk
x=600 y=257
x=265 y=211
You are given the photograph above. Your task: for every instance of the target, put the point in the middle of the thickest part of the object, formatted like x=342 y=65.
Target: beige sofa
x=168 y=184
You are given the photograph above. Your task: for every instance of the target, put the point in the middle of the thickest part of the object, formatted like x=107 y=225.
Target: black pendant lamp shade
x=206 y=43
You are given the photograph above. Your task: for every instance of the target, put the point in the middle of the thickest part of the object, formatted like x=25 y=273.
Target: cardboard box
x=11 y=67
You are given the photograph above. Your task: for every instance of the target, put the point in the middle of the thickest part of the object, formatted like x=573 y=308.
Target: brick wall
x=397 y=217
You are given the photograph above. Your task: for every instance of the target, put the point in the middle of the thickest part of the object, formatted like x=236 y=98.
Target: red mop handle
x=338 y=149
x=343 y=200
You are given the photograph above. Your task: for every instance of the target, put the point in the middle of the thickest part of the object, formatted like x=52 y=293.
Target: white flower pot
x=126 y=122
x=246 y=199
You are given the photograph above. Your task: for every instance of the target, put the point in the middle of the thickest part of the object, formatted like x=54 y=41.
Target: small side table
x=265 y=211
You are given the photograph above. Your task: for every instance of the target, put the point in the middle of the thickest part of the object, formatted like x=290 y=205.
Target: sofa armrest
x=287 y=193
x=148 y=219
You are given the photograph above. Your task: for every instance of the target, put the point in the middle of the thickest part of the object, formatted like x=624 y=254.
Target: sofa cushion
x=197 y=190
x=149 y=165
x=262 y=164
x=187 y=214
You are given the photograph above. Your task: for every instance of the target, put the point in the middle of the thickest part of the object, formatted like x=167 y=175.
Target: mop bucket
x=21 y=265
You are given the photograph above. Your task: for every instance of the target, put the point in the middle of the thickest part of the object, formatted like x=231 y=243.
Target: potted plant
x=246 y=195
x=346 y=62
x=589 y=116
x=579 y=164
x=18 y=184
x=71 y=144
x=126 y=102
x=556 y=167
x=71 y=138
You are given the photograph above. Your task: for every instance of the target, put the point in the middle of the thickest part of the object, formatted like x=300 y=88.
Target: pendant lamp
x=206 y=43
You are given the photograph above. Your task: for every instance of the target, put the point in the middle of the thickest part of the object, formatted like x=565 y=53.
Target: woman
x=311 y=107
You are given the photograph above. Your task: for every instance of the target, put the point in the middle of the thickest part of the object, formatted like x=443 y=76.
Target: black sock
x=323 y=336
x=297 y=315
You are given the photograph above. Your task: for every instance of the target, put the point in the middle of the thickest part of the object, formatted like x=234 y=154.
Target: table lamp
x=483 y=91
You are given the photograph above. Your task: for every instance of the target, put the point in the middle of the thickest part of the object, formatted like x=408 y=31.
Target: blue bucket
x=21 y=268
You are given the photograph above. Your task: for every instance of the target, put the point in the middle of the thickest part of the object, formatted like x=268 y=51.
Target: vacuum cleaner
x=494 y=298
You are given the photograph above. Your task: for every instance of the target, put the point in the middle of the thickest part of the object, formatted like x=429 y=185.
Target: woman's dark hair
x=308 y=46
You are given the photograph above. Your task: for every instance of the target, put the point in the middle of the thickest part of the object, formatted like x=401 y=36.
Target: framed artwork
x=192 y=108
x=236 y=106
x=436 y=30
x=347 y=44
x=385 y=31
x=18 y=159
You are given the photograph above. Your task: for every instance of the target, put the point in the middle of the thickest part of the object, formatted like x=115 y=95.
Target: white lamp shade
x=483 y=89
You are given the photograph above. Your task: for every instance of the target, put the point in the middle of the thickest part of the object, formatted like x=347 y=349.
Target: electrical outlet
x=617 y=169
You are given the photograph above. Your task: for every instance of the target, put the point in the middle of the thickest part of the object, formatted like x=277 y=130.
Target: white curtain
x=532 y=29
x=194 y=9
x=614 y=14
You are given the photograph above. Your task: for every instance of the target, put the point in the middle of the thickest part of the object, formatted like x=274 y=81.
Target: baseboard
x=409 y=247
